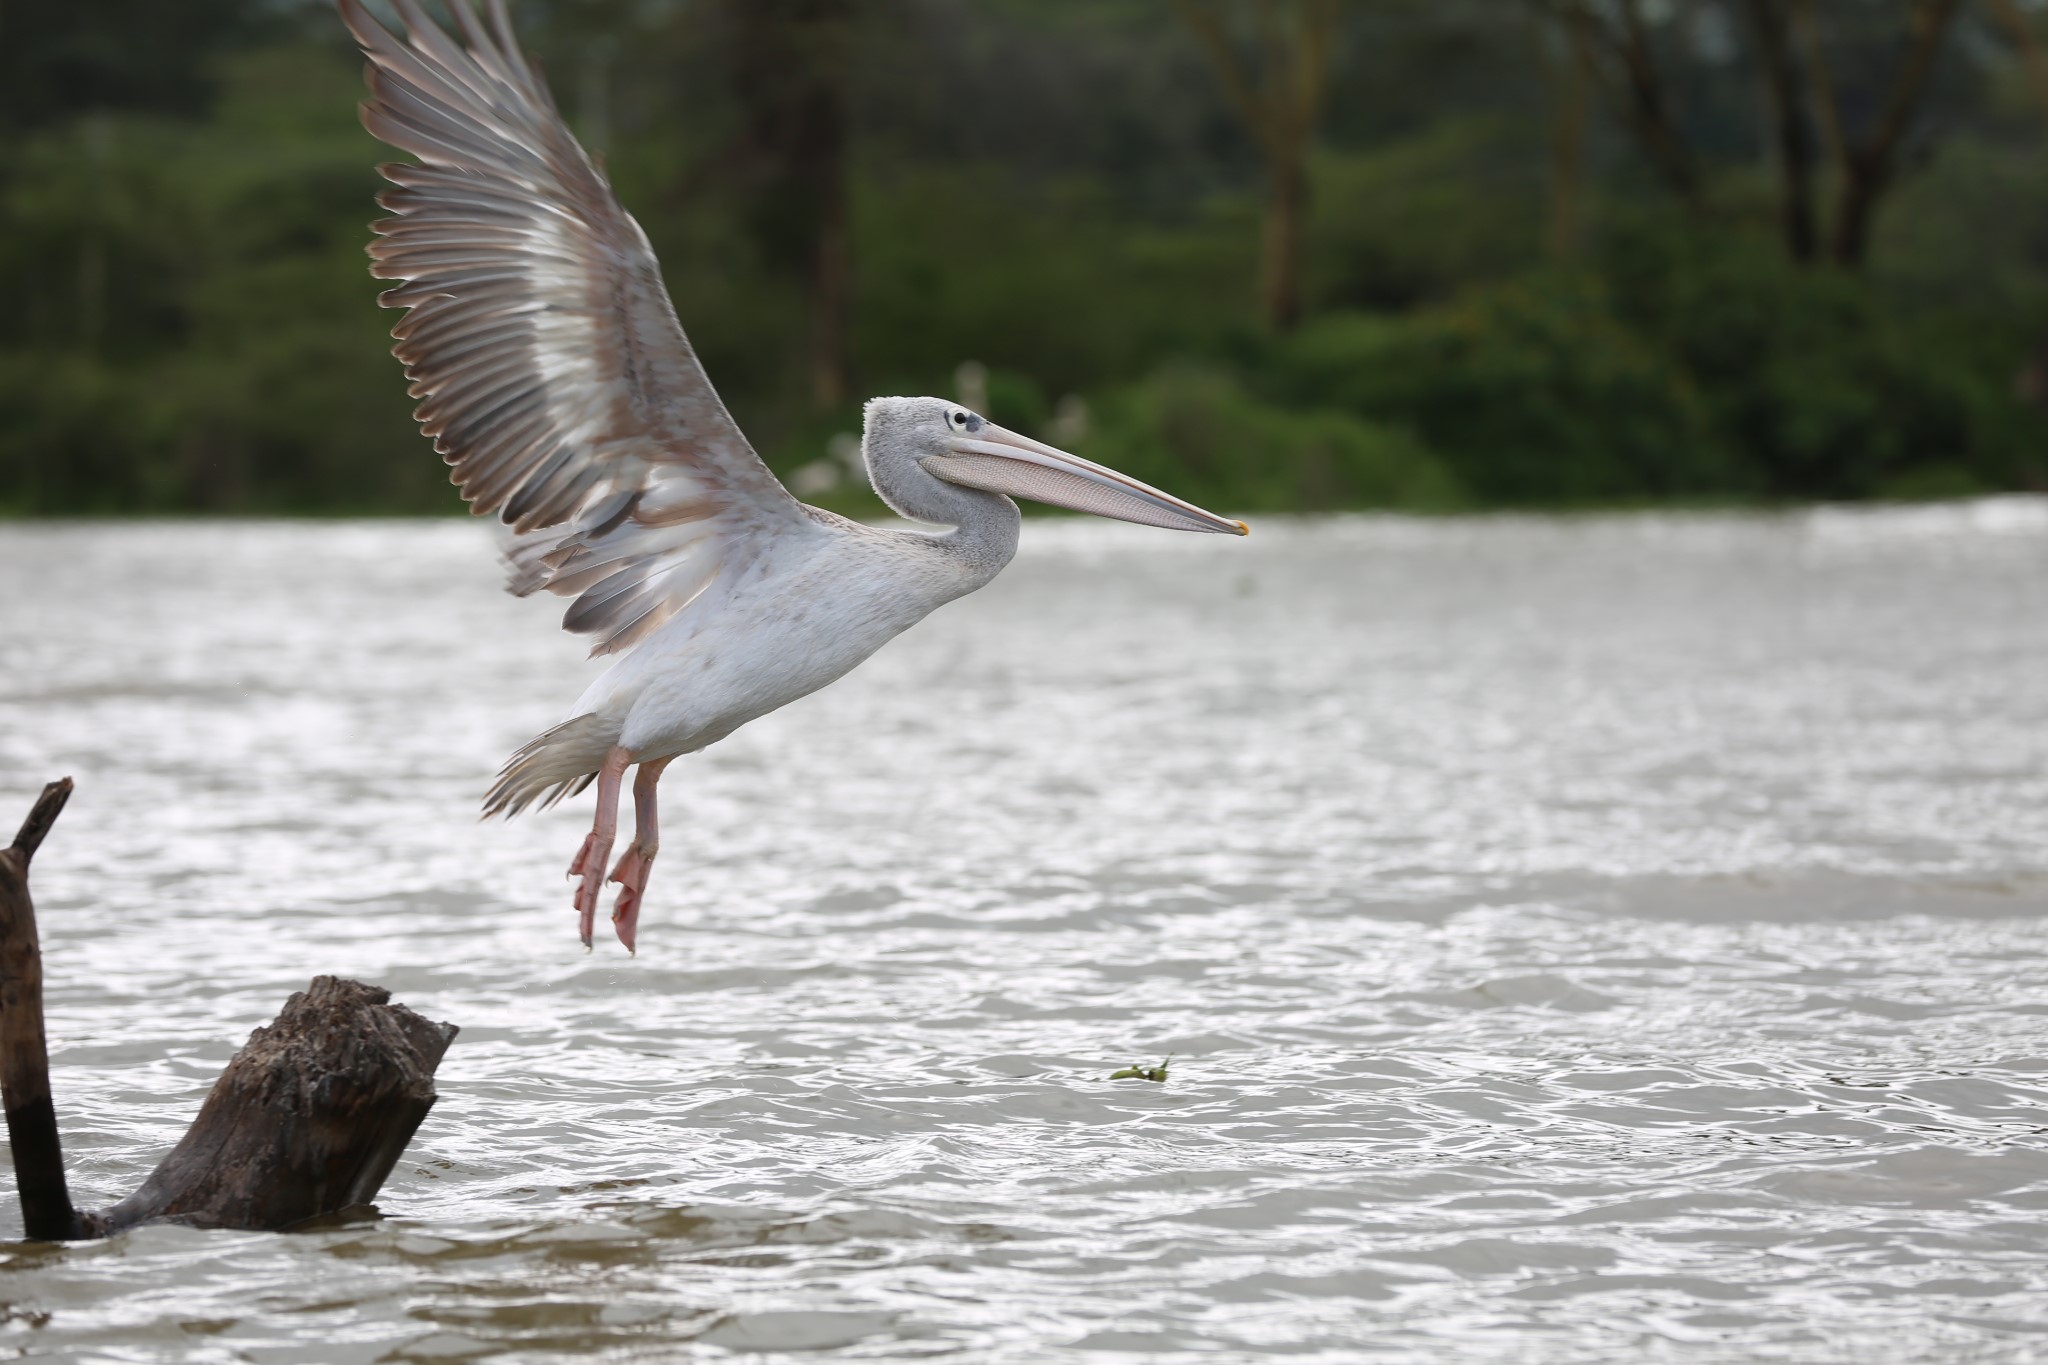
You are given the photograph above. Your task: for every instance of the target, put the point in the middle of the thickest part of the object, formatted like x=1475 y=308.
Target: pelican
x=555 y=379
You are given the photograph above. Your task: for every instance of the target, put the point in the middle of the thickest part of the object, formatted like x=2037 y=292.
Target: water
x=1615 y=939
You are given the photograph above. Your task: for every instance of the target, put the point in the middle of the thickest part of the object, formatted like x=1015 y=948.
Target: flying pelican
x=555 y=379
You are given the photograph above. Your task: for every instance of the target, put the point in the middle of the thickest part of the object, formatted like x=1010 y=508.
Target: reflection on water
x=1578 y=940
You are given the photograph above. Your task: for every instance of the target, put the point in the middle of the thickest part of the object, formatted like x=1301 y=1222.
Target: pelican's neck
x=985 y=526
x=984 y=534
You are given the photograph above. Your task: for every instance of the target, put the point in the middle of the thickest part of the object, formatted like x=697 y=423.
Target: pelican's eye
x=958 y=419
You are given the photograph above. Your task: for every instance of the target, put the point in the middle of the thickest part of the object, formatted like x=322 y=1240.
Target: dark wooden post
x=308 y=1119
x=46 y=1211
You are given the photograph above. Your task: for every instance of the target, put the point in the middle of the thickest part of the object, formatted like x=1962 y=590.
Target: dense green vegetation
x=1505 y=293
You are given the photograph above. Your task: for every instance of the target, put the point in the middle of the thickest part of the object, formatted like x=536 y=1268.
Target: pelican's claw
x=589 y=865
x=636 y=864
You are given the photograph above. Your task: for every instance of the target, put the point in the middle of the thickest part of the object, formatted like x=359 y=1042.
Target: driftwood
x=308 y=1119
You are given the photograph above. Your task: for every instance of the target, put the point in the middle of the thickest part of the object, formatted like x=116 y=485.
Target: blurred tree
x=58 y=60
x=1867 y=167
x=1567 y=94
x=2019 y=30
x=1789 y=96
x=1278 y=92
x=1618 y=41
x=2031 y=383
x=790 y=73
x=1614 y=44
x=191 y=324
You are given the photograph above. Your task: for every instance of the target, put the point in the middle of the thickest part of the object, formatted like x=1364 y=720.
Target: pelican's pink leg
x=636 y=864
x=597 y=847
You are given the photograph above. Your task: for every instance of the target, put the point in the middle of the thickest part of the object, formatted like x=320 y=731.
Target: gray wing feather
x=551 y=371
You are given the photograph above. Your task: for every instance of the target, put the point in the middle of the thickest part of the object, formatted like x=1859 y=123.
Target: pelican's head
x=907 y=440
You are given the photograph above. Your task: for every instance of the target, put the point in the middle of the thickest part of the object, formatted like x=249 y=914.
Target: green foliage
x=1060 y=285
x=1815 y=384
x=1017 y=401
x=1531 y=391
x=194 y=325
x=1196 y=431
x=1417 y=220
x=1059 y=193
x=1690 y=365
x=57 y=60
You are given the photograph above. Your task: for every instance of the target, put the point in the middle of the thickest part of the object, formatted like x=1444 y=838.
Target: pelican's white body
x=804 y=613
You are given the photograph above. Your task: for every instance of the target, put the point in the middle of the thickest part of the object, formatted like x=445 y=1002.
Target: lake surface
x=1612 y=939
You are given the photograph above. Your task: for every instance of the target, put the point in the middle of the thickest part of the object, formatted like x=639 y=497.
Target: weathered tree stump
x=308 y=1119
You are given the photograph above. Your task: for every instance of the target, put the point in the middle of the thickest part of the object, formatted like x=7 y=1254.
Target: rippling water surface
x=1613 y=939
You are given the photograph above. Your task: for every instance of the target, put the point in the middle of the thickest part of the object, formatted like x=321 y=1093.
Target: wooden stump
x=308 y=1119
x=46 y=1212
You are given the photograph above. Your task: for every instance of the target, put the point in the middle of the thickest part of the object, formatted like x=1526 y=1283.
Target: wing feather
x=550 y=369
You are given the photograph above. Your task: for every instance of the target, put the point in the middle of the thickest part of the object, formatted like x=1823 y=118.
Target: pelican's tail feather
x=550 y=766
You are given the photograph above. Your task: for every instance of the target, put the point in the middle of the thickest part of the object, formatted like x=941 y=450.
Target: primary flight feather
x=557 y=383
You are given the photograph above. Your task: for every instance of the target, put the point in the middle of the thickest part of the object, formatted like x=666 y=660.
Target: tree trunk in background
x=1649 y=105
x=1281 y=243
x=1611 y=49
x=832 y=264
x=1279 y=95
x=1566 y=78
x=1616 y=52
x=1872 y=168
x=2020 y=30
x=1785 y=34
x=2030 y=384
x=791 y=73
x=1786 y=93
x=1868 y=169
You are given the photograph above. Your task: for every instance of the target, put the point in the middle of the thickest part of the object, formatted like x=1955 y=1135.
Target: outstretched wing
x=552 y=373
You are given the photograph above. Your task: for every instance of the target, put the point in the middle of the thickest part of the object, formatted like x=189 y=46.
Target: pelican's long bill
x=1001 y=461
